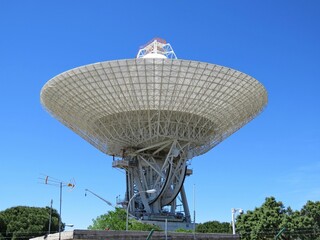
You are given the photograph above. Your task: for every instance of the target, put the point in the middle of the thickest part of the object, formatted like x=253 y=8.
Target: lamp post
x=194 y=213
x=55 y=182
x=134 y=195
x=50 y=217
x=233 y=213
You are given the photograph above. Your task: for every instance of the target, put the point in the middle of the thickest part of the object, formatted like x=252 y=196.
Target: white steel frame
x=161 y=167
x=135 y=103
x=155 y=113
x=157 y=46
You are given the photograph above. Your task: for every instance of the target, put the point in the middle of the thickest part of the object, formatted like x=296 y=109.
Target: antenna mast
x=157 y=48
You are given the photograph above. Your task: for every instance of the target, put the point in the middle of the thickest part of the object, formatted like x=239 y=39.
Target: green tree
x=2 y=228
x=139 y=226
x=298 y=226
x=312 y=210
x=266 y=221
x=214 y=227
x=262 y=223
x=116 y=220
x=182 y=230
x=26 y=222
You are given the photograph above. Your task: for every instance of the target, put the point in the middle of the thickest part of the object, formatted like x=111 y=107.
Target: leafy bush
x=27 y=222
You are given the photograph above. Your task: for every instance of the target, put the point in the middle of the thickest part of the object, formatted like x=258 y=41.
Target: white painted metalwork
x=233 y=218
x=157 y=48
x=149 y=191
x=155 y=113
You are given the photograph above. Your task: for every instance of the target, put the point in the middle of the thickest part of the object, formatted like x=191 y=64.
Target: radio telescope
x=153 y=114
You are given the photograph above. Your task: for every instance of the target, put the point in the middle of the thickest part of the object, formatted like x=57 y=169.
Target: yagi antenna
x=47 y=180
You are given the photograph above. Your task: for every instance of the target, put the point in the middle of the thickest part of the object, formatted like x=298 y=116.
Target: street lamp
x=134 y=195
x=233 y=213
x=56 y=182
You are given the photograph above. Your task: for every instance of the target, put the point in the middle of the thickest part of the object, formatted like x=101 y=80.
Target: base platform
x=134 y=235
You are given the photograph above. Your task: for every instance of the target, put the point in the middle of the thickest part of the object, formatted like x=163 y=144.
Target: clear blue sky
x=277 y=154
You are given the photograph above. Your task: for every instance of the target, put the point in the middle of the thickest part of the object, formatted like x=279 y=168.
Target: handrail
x=279 y=234
x=150 y=234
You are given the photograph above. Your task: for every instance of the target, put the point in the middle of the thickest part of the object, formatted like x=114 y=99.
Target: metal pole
x=233 y=215
x=60 y=211
x=127 y=219
x=60 y=184
x=194 y=213
x=107 y=202
x=50 y=218
x=166 y=229
x=233 y=211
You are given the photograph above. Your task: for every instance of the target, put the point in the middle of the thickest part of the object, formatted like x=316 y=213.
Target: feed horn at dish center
x=153 y=114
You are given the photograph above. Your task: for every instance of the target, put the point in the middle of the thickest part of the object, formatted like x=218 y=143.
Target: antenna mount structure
x=154 y=114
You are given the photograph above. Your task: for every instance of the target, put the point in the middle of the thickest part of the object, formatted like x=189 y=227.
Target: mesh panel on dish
x=152 y=98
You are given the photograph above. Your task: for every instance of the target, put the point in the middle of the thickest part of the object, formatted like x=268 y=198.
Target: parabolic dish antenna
x=155 y=113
